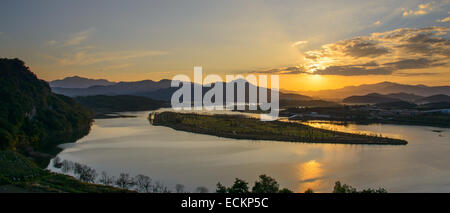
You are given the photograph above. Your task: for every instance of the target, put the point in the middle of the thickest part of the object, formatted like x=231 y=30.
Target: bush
x=266 y=185
x=339 y=188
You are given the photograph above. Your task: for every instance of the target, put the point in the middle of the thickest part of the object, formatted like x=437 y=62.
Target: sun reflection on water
x=310 y=175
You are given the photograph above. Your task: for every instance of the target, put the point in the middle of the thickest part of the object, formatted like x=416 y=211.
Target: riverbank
x=19 y=174
x=241 y=127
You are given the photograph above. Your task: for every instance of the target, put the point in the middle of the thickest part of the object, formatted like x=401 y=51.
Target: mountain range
x=79 y=82
x=161 y=90
x=380 y=88
x=158 y=90
x=376 y=98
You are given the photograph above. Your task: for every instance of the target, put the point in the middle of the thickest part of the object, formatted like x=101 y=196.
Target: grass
x=240 y=127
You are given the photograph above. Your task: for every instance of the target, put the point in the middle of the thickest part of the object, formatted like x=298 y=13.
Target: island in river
x=242 y=127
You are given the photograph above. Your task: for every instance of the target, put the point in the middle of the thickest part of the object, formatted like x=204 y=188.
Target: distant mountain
x=294 y=97
x=434 y=99
x=119 y=103
x=397 y=105
x=405 y=96
x=380 y=88
x=122 y=88
x=436 y=105
x=375 y=98
x=158 y=90
x=79 y=82
x=372 y=98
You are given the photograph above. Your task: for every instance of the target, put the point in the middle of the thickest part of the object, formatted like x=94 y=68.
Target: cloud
x=79 y=37
x=298 y=43
x=414 y=64
x=74 y=39
x=407 y=74
x=51 y=42
x=422 y=9
x=281 y=71
x=381 y=53
x=361 y=47
x=446 y=19
x=89 y=58
x=349 y=70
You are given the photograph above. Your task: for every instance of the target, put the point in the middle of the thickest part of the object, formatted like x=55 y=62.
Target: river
x=172 y=157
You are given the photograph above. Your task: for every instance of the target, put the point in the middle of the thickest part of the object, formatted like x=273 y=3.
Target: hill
x=122 y=88
x=33 y=120
x=381 y=88
x=375 y=98
x=161 y=90
x=435 y=105
x=79 y=82
x=102 y=104
x=396 y=105
x=409 y=97
x=372 y=98
x=434 y=99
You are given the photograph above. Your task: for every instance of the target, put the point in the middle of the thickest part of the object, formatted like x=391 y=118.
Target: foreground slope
x=33 y=121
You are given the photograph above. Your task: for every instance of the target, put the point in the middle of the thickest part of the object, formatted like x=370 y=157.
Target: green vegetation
x=139 y=183
x=102 y=105
x=344 y=188
x=267 y=184
x=19 y=174
x=388 y=113
x=33 y=120
x=241 y=127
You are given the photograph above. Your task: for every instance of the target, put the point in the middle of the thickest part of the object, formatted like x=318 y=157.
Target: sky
x=312 y=45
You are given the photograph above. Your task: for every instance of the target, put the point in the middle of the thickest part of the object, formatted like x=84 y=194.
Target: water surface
x=134 y=146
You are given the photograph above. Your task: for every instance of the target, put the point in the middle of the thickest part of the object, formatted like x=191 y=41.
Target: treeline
x=266 y=184
x=140 y=183
x=144 y=184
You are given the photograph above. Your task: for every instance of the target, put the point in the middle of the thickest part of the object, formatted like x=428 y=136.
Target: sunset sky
x=312 y=45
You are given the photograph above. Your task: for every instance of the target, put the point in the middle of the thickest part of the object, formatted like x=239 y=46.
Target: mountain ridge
x=385 y=87
x=376 y=98
x=158 y=90
x=79 y=82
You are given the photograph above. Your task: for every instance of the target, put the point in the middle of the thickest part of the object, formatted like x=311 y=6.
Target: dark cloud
x=372 y=68
x=378 y=54
x=419 y=63
x=361 y=47
x=407 y=74
x=384 y=53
